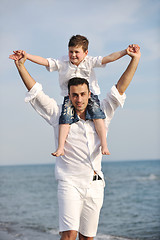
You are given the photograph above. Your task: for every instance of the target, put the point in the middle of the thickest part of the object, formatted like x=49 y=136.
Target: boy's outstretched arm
x=38 y=60
x=116 y=55
x=33 y=58
x=27 y=79
x=127 y=76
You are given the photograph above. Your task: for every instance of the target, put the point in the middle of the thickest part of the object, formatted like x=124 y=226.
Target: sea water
x=131 y=209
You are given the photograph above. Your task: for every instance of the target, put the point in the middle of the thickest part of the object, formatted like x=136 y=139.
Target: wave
x=151 y=177
x=109 y=237
x=98 y=237
x=54 y=232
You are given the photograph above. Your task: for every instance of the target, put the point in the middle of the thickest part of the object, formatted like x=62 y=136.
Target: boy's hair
x=77 y=81
x=79 y=41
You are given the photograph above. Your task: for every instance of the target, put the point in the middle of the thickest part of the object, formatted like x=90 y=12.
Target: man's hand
x=18 y=54
x=19 y=57
x=133 y=50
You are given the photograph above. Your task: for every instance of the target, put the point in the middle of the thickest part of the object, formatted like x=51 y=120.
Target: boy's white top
x=67 y=70
x=82 y=147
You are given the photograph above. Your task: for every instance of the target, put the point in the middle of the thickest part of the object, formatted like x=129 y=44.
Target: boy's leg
x=68 y=116
x=95 y=113
x=63 y=133
x=101 y=131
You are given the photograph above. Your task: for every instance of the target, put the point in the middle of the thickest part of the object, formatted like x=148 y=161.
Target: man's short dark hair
x=79 y=41
x=77 y=81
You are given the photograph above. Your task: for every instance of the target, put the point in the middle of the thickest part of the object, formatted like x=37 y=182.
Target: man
x=79 y=175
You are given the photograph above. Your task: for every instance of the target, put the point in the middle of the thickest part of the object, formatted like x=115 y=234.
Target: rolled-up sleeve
x=53 y=65
x=96 y=62
x=33 y=92
x=44 y=105
x=111 y=103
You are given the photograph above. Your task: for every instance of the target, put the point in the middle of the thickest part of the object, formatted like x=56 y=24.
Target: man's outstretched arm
x=127 y=76
x=26 y=77
x=43 y=104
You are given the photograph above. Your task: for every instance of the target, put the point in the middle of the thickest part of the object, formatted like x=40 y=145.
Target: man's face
x=76 y=55
x=79 y=96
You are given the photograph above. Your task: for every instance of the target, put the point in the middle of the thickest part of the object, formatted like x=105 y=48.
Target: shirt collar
x=66 y=59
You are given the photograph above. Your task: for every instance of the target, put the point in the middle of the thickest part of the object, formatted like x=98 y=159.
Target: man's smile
x=79 y=104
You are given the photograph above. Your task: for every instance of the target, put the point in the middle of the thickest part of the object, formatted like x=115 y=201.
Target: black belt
x=96 y=177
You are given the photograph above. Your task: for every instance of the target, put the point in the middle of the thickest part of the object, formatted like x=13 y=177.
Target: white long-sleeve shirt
x=67 y=70
x=82 y=147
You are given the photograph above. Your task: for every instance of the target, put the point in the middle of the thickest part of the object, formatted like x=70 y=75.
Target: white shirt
x=67 y=70
x=82 y=147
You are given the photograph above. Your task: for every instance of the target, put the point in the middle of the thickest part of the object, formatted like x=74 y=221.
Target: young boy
x=77 y=64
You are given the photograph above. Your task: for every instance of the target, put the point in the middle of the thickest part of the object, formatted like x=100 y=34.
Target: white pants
x=79 y=208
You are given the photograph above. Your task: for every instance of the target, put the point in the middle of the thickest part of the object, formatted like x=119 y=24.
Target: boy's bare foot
x=59 y=152
x=105 y=151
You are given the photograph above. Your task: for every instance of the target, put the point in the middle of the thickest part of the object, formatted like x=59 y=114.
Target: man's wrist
x=19 y=65
x=136 y=58
x=27 y=56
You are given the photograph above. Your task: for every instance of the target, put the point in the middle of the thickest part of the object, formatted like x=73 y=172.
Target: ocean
x=131 y=209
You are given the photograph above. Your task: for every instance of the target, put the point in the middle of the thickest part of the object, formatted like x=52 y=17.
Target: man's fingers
x=13 y=57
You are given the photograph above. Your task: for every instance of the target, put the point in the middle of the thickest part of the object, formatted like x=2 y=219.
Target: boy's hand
x=133 y=50
x=17 y=55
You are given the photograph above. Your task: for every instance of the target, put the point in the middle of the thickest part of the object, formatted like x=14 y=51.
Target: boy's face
x=76 y=55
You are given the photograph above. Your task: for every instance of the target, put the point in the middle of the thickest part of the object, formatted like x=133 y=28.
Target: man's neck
x=82 y=115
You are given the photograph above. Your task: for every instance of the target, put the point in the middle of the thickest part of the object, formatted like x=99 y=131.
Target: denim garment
x=93 y=111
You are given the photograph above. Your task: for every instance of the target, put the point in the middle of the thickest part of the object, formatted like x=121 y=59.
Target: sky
x=43 y=28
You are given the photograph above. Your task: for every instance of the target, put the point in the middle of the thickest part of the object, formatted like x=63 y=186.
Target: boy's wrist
x=125 y=51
